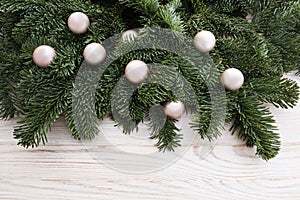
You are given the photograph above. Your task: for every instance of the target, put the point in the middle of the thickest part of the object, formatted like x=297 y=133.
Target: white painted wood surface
x=65 y=169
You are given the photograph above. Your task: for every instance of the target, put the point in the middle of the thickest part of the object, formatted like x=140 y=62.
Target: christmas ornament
x=43 y=55
x=136 y=71
x=78 y=22
x=174 y=109
x=249 y=18
x=232 y=79
x=129 y=36
x=94 y=53
x=204 y=41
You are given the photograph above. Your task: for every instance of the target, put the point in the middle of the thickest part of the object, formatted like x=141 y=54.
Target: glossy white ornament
x=204 y=41
x=136 y=71
x=129 y=36
x=43 y=55
x=232 y=79
x=78 y=22
x=249 y=18
x=174 y=109
x=94 y=53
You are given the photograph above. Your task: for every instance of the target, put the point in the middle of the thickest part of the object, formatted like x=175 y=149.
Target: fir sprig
x=255 y=125
x=263 y=50
x=42 y=108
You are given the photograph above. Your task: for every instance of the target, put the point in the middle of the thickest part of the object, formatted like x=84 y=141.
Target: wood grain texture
x=65 y=169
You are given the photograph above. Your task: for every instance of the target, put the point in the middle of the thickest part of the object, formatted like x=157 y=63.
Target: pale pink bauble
x=94 y=53
x=43 y=55
x=205 y=41
x=129 y=36
x=249 y=18
x=174 y=109
x=78 y=22
x=136 y=71
x=232 y=79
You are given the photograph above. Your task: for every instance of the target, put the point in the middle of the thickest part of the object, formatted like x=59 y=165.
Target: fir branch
x=261 y=64
x=280 y=24
x=83 y=120
x=17 y=6
x=167 y=136
x=120 y=105
x=207 y=99
x=7 y=105
x=241 y=7
x=199 y=7
x=147 y=103
x=262 y=50
x=42 y=108
x=170 y=17
x=148 y=6
x=37 y=24
x=281 y=92
x=210 y=117
x=131 y=104
x=161 y=128
x=145 y=98
x=71 y=122
x=105 y=88
x=254 y=124
x=162 y=13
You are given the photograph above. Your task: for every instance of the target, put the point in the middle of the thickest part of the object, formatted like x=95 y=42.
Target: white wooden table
x=65 y=169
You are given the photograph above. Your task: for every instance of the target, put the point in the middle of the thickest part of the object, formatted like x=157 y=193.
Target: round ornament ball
x=249 y=18
x=174 y=109
x=129 y=36
x=78 y=22
x=94 y=53
x=43 y=55
x=232 y=79
x=136 y=71
x=205 y=41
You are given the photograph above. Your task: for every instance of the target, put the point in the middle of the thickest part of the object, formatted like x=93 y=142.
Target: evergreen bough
x=263 y=50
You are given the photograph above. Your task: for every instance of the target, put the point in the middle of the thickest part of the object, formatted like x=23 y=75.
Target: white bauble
x=232 y=79
x=136 y=71
x=78 y=22
x=249 y=18
x=174 y=109
x=43 y=55
x=94 y=53
x=204 y=41
x=129 y=36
